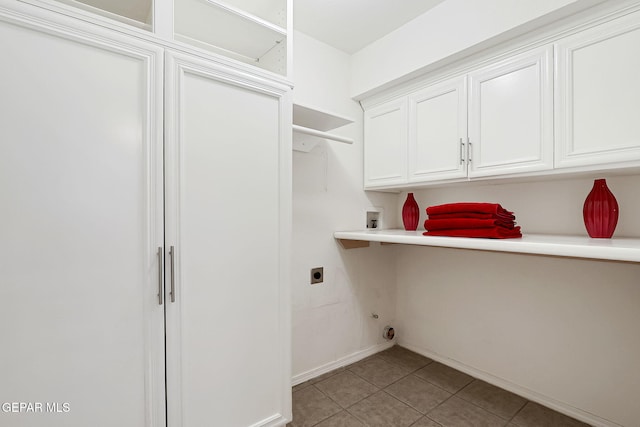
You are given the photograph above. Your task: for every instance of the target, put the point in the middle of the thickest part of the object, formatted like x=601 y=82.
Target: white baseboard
x=276 y=420
x=343 y=361
x=531 y=395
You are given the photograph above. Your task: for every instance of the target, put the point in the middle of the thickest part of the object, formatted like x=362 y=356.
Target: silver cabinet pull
x=160 y=274
x=173 y=274
x=461 y=148
x=469 y=150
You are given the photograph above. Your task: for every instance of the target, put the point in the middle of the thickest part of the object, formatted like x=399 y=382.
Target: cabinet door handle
x=461 y=152
x=173 y=274
x=469 y=150
x=160 y=273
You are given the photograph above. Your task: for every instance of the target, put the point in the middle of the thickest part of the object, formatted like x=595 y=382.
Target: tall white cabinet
x=81 y=189
x=226 y=220
x=145 y=229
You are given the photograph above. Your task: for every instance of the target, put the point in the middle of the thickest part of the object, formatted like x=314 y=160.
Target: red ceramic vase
x=600 y=211
x=410 y=213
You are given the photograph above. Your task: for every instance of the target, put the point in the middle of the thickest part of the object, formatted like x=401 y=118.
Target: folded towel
x=477 y=207
x=463 y=223
x=477 y=215
x=489 y=233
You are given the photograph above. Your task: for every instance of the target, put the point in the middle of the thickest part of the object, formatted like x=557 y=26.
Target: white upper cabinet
x=568 y=104
x=598 y=95
x=438 y=132
x=385 y=133
x=511 y=115
x=441 y=133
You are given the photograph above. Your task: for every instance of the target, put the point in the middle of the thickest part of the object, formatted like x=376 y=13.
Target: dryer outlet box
x=317 y=275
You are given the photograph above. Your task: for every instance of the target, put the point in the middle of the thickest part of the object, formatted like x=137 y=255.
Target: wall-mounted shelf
x=310 y=125
x=615 y=249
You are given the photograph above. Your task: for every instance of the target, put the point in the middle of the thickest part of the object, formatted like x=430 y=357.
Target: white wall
x=452 y=28
x=561 y=331
x=332 y=321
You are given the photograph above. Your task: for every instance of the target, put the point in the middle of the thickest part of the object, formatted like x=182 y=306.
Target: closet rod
x=320 y=134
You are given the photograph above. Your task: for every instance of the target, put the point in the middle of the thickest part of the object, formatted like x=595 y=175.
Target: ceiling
x=350 y=25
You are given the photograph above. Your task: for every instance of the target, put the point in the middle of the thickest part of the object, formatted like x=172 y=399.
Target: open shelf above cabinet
x=615 y=249
x=255 y=32
x=310 y=125
x=252 y=36
x=135 y=13
x=250 y=31
x=264 y=13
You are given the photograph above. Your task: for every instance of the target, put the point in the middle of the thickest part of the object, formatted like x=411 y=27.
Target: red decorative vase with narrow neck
x=600 y=211
x=410 y=213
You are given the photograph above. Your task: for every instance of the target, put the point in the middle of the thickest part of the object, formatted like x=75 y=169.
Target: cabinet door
x=510 y=115
x=228 y=178
x=81 y=190
x=385 y=150
x=598 y=95
x=438 y=132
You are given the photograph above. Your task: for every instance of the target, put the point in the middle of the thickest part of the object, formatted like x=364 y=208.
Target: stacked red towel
x=471 y=219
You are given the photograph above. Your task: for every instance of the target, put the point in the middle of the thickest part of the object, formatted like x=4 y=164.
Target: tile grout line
x=383 y=389
x=509 y=420
x=328 y=397
x=409 y=372
x=342 y=409
x=423 y=380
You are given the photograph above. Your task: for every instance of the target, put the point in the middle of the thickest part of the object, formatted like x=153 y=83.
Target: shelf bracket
x=353 y=244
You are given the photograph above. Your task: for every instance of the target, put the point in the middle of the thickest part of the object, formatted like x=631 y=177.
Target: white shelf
x=227 y=28
x=137 y=15
x=314 y=118
x=310 y=125
x=615 y=249
x=248 y=16
x=274 y=11
x=204 y=21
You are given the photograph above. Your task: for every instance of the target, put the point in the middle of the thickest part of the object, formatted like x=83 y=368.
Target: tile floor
x=399 y=388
